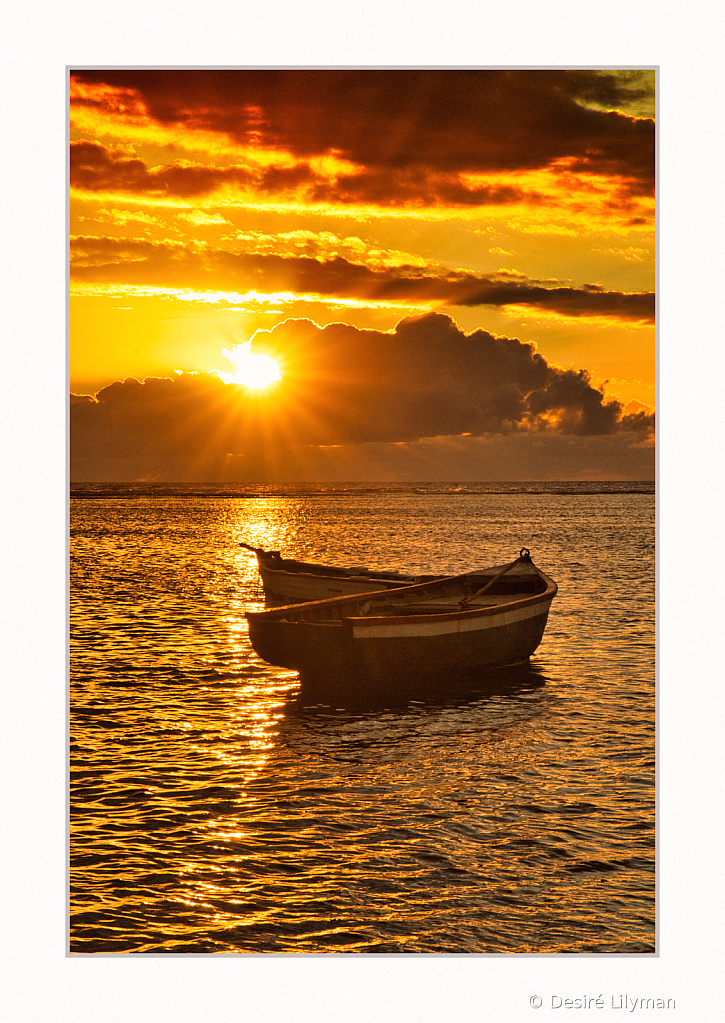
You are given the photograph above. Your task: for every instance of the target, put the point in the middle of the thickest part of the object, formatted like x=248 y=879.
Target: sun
x=250 y=369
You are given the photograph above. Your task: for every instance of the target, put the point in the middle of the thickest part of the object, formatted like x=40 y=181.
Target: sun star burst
x=251 y=369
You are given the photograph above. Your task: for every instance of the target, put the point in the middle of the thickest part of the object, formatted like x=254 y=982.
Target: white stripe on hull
x=450 y=627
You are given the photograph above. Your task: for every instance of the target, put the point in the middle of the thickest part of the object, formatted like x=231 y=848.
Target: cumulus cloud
x=400 y=120
x=169 y=265
x=344 y=386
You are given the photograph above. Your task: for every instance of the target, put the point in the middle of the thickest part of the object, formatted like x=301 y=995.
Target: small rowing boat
x=437 y=629
x=285 y=579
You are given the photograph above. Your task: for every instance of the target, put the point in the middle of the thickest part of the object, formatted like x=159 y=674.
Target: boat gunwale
x=299 y=610
x=341 y=574
x=465 y=614
x=274 y=564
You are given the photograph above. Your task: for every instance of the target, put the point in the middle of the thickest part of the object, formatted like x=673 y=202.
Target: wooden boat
x=285 y=579
x=437 y=629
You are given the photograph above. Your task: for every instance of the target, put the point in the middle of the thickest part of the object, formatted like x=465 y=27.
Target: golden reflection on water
x=242 y=752
x=213 y=815
x=268 y=522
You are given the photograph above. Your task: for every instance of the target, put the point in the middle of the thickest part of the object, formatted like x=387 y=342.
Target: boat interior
x=461 y=594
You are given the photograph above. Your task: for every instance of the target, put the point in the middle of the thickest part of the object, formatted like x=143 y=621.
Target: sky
x=282 y=275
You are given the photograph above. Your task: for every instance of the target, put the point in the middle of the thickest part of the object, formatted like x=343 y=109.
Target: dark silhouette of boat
x=446 y=626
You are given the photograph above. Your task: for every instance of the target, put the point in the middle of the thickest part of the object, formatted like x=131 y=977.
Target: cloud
x=417 y=186
x=419 y=141
x=449 y=122
x=631 y=254
x=97 y=168
x=170 y=265
x=344 y=386
x=94 y=167
x=201 y=219
x=122 y=218
x=324 y=245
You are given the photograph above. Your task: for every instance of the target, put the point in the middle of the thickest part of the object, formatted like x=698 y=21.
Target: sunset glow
x=425 y=253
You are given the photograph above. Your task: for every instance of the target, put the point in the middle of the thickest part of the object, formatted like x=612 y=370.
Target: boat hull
x=389 y=641
x=288 y=581
x=362 y=655
x=451 y=648
x=298 y=587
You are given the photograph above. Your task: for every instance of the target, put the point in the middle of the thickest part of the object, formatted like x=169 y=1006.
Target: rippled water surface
x=214 y=811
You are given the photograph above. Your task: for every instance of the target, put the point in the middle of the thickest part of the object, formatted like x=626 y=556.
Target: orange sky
x=516 y=205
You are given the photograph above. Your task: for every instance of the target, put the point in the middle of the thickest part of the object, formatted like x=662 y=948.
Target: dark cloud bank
x=97 y=168
x=421 y=402
x=446 y=122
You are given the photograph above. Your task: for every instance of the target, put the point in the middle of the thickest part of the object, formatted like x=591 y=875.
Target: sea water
x=212 y=811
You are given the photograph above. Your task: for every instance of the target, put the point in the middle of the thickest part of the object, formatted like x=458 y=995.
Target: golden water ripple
x=211 y=811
